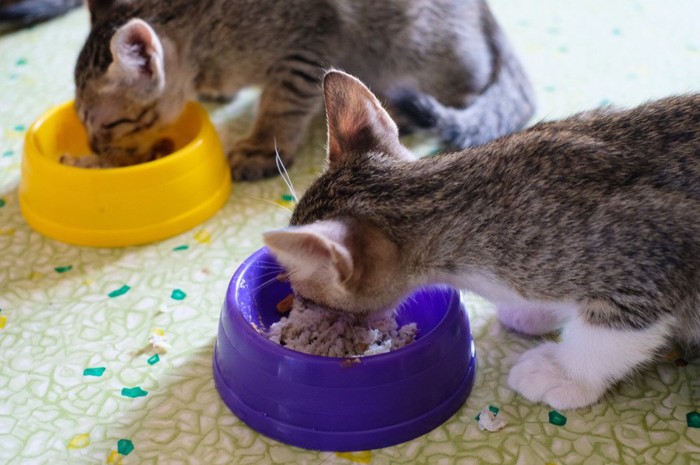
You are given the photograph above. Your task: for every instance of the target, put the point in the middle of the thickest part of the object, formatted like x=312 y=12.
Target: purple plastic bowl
x=328 y=403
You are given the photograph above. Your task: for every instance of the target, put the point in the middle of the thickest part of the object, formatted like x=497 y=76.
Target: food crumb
x=285 y=305
x=489 y=421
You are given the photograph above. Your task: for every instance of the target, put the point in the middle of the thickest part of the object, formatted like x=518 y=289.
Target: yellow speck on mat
x=203 y=237
x=79 y=441
x=114 y=458
x=357 y=457
x=7 y=231
x=3 y=321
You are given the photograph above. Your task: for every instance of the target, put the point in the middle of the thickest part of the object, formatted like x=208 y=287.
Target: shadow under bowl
x=121 y=206
x=340 y=404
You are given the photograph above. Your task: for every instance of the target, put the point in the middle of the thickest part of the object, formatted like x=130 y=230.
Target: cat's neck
x=435 y=208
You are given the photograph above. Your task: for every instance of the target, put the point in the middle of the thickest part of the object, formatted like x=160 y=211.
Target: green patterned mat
x=72 y=392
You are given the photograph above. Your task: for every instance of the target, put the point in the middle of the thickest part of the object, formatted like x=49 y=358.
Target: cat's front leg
x=287 y=105
x=590 y=359
x=530 y=319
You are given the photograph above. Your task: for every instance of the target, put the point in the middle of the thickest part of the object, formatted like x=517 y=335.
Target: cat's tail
x=504 y=106
x=22 y=13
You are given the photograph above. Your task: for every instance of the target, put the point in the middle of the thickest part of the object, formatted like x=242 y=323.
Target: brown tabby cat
x=443 y=65
x=590 y=224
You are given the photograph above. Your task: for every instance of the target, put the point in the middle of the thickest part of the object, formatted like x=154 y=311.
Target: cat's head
x=339 y=257
x=122 y=95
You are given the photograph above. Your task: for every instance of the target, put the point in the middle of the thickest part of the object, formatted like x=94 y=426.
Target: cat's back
x=655 y=145
x=666 y=126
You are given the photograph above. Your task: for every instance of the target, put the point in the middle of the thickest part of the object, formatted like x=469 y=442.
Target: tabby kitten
x=442 y=65
x=590 y=224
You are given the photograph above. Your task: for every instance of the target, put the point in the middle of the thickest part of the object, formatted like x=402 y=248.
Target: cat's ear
x=138 y=63
x=357 y=123
x=98 y=8
x=304 y=250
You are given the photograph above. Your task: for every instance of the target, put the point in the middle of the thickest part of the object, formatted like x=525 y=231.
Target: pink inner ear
x=139 y=44
x=136 y=50
x=357 y=123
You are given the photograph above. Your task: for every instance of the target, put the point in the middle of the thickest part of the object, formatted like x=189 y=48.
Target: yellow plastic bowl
x=121 y=206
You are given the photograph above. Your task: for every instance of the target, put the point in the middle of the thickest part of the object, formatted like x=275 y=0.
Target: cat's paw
x=539 y=377
x=530 y=321
x=250 y=162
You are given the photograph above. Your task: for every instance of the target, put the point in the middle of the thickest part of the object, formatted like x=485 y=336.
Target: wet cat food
x=332 y=334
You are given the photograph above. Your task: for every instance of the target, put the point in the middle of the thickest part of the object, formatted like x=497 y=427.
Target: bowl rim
x=200 y=163
x=188 y=150
x=269 y=346
x=240 y=353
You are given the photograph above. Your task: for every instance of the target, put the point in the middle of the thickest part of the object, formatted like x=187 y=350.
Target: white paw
x=539 y=377
x=534 y=322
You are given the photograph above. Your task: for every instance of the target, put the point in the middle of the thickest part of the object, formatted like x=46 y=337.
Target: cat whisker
x=271 y=202
x=269 y=265
x=350 y=323
x=264 y=284
x=270 y=273
x=284 y=174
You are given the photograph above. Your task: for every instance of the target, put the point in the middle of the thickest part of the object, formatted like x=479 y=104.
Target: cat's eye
x=119 y=122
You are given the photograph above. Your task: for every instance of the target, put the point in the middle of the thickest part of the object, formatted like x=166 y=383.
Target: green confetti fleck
x=134 y=392
x=2 y=203
x=153 y=360
x=20 y=128
x=617 y=31
x=181 y=247
x=556 y=418
x=288 y=198
x=63 y=269
x=125 y=446
x=96 y=371
x=121 y=291
x=693 y=419
x=177 y=294
x=21 y=62
x=8 y=153
x=550 y=89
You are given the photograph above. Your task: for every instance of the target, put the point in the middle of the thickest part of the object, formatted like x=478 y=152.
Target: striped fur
x=443 y=65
